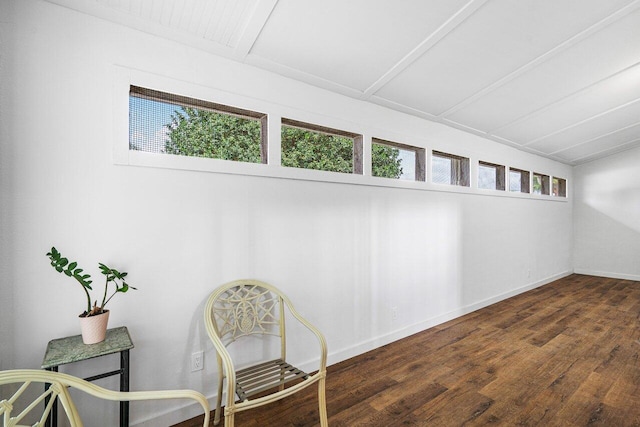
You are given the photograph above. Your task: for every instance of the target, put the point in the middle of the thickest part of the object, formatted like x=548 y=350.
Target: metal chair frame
x=59 y=384
x=249 y=307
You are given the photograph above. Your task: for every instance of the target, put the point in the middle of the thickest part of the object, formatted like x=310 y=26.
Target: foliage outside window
x=559 y=187
x=310 y=146
x=173 y=124
x=398 y=161
x=491 y=176
x=518 y=180
x=540 y=184
x=449 y=169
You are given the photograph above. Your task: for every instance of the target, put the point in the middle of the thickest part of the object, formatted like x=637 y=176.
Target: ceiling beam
x=582 y=122
x=458 y=18
x=256 y=22
x=630 y=145
x=632 y=125
x=620 y=13
x=632 y=68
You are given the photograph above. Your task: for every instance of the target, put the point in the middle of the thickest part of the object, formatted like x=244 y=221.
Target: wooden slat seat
x=265 y=376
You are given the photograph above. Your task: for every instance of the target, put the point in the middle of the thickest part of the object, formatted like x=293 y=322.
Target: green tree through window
x=385 y=162
x=306 y=149
x=203 y=133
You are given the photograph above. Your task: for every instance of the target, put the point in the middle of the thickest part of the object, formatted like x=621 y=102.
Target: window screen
x=490 y=176
x=172 y=124
x=309 y=146
x=398 y=161
x=449 y=169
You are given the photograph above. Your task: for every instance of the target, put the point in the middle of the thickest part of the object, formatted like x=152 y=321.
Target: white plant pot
x=94 y=328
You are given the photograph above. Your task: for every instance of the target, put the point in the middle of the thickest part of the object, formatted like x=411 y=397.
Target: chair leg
x=216 y=418
x=229 y=420
x=322 y=403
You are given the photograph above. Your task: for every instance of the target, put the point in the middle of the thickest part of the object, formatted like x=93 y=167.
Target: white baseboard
x=363 y=347
x=609 y=274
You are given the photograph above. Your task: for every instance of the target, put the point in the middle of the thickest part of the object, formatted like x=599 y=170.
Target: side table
x=62 y=351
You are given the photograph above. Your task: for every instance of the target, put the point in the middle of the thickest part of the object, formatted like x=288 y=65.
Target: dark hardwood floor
x=565 y=354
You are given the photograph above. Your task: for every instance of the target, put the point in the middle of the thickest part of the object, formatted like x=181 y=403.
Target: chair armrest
x=103 y=393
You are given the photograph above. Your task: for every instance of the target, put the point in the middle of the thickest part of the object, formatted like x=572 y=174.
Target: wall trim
x=623 y=276
x=382 y=340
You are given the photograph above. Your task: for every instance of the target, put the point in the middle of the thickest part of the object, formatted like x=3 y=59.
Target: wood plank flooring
x=565 y=354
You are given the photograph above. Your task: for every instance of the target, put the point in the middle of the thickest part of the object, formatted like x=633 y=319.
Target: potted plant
x=94 y=319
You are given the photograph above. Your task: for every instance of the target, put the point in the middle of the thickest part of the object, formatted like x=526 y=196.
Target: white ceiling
x=559 y=78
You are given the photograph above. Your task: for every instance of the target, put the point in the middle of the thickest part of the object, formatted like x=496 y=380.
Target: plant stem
x=104 y=297
x=105 y=293
x=88 y=299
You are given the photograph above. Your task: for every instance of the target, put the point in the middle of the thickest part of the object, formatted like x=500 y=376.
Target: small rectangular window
x=172 y=124
x=316 y=147
x=449 y=169
x=518 y=180
x=397 y=161
x=559 y=187
x=491 y=176
x=540 y=184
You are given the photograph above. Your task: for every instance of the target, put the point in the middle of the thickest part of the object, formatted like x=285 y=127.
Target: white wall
x=7 y=191
x=607 y=216
x=345 y=253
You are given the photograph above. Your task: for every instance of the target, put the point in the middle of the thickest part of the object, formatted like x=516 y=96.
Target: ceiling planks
x=559 y=78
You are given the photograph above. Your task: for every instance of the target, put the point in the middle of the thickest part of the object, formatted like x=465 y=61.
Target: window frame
x=500 y=175
x=460 y=169
x=525 y=180
x=562 y=187
x=544 y=183
x=420 y=157
x=357 y=159
x=125 y=77
x=185 y=101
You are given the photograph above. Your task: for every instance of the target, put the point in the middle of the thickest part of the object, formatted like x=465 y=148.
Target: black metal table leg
x=124 y=386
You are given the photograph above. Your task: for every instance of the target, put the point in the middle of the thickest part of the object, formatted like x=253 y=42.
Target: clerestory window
x=172 y=124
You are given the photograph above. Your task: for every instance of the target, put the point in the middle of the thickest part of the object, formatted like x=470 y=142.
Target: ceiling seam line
x=495 y=138
x=425 y=45
x=597 y=137
x=252 y=30
x=581 y=122
x=312 y=79
x=582 y=35
x=613 y=150
x=409 y=110
x=562 y=100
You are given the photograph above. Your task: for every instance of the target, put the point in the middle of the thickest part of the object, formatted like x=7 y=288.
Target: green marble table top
x=71 y=349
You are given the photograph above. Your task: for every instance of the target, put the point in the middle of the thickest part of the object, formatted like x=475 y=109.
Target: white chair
x=248 y=307
x=59 y=387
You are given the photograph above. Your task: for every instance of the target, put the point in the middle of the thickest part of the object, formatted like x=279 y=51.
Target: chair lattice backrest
x=247 y=309
x=22 y=404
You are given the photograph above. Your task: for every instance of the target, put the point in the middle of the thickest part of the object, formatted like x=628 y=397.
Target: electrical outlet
x=197 y=361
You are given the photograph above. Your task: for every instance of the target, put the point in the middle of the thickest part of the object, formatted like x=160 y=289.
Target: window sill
x=198 y=164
